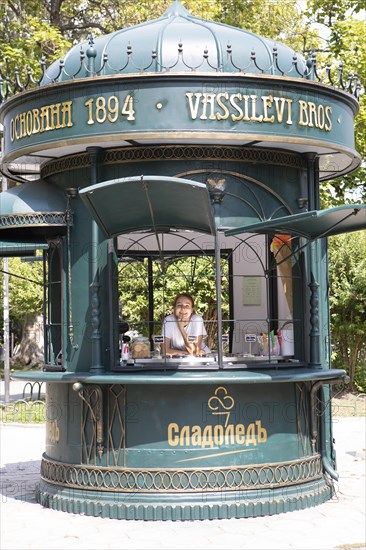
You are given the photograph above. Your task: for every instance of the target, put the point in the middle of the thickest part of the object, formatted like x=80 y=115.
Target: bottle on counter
x=125 y=353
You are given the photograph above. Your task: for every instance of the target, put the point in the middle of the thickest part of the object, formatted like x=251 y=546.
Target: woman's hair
x=185 y=295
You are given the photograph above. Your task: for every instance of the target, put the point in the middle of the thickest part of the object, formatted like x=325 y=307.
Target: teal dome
x=177 y=42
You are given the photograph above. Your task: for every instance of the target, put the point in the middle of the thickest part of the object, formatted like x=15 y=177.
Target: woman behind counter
x=182 y=324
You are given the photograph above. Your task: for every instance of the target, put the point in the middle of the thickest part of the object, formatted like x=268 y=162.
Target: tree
x=345 y=41
x=347 y=273
x=25 y=36
x=26 y=307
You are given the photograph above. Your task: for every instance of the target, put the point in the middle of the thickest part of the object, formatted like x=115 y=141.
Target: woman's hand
x=181 y=324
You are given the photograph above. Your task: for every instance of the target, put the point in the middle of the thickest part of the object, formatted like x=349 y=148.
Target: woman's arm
x=190 y=346
x=168 y=350
x=199 y=351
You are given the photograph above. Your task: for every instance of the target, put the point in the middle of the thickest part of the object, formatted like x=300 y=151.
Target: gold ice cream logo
x=224 y=432
x=221 y=403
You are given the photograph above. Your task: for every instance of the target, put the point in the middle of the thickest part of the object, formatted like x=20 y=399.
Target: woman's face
x=183 y=308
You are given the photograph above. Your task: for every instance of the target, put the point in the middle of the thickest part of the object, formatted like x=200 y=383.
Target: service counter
x=177 y=444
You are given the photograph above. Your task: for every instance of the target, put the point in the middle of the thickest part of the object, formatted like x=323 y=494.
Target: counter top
x=252 y=376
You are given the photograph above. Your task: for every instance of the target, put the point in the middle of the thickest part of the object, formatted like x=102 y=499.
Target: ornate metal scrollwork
x=190 y=480
x=91 y=421
x=12 y=84
x=34 y=219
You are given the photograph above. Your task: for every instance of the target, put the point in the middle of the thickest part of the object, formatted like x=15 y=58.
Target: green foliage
x=195 y=275
x=23 y=42
x=346 y=43
x=25 y=294
x=347 y=273
x=326 y=11
x=283 y=21
x=360 y=372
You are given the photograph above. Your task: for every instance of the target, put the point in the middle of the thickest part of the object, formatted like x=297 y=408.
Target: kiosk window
x=259 y=278
x=148 y=284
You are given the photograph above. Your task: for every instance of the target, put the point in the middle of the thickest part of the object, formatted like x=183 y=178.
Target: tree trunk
x=30 y=352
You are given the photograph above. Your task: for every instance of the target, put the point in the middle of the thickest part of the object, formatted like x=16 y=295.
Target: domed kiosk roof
x=178 y=41
x=175 y=80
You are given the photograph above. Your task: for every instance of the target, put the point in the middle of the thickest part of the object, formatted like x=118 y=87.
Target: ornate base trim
x=238 y=504
x=181 y=480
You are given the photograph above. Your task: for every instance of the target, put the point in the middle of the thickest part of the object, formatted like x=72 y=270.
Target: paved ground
x=337 y=524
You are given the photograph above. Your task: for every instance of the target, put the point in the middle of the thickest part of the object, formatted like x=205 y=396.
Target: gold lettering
x=280 y=103
x=13 y=131
x=224 y=116
x=251 y=436
x=289 y=109
x=207 y=437
x=229 y=435
x=262 y=432
x=113 y=106
x=236 y=107
x=254 y=116
x=100 y=110
x=246 y=107
x=184 y=437
x=303 y=119
x=173 y=431
x=22 y=132
x=29 y=123
x=312 y=113
x=55 y=116
x=36 y=123
x=267 y=104
x=66 y=114
x=208 y=99
x=321 y=117
x=193 y=106
x=196 y=436
x=328 y=112
x=89 y=105
x=239 y=433
x=53 y=431
x=280 y=107
x=127 y=108
x=218 y=434
x=45 y=119
x=17 y=127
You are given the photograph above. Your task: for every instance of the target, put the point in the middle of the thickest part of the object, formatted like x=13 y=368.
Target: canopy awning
x=37 y=209
x=157 y=203
x=12 y=249
x=312 y=225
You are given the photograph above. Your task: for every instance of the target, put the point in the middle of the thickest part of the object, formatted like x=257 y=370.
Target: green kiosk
x=181 y=153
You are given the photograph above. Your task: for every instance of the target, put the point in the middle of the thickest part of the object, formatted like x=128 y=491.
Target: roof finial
x=175 y=9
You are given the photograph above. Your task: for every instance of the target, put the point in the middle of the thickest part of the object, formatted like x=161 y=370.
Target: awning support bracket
x=145 y=186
